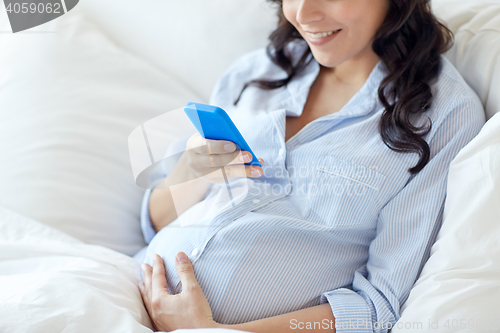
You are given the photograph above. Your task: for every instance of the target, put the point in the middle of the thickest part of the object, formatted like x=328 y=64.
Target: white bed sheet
x=52 y=282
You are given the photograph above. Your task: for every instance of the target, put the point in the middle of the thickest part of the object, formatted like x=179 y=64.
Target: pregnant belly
x=248 y=271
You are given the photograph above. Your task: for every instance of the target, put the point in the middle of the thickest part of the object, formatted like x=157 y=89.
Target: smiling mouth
x=321 y=34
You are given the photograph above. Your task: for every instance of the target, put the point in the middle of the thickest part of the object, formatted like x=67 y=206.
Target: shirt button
x=280 y=152
x=195 y=252
x=255 y=201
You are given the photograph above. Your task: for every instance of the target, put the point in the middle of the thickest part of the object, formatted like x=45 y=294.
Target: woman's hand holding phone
x=204 y=157
x=193 y=175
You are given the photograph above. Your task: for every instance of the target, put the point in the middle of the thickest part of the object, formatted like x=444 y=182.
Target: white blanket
x=51 y=282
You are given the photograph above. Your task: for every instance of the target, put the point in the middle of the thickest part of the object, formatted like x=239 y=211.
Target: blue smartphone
x=214 y=123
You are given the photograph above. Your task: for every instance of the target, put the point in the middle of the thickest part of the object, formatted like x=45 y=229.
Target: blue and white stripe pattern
x=336 y=217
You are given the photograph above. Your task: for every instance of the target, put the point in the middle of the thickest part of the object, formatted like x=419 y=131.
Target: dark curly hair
x=409 y=42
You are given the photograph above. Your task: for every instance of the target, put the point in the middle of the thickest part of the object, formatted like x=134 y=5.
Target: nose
x=308 y=12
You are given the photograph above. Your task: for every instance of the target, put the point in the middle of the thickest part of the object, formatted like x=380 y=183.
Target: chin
x=328 y=62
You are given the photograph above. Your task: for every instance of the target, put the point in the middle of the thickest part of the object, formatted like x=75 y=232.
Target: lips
x=322 y=37
x=318 y=35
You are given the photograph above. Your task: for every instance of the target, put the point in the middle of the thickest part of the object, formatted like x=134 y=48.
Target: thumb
x=185 y=271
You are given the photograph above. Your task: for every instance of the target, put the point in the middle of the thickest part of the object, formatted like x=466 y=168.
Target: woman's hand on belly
x=188 y=309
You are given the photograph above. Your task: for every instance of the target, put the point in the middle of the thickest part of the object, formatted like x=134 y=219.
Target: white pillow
x=476 y=53
x=460 y=283
x=73 y=89
x=194 y=40
x=68 y=101
x=459 y=286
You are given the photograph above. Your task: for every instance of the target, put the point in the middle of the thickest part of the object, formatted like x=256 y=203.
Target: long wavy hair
x=409 y=42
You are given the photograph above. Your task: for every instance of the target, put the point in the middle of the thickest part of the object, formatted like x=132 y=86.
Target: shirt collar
x=298 y=89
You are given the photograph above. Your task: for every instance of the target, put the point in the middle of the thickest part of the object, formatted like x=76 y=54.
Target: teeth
x=321 y=34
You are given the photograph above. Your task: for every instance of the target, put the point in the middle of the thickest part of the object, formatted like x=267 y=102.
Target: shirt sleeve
x=146 y=225
x=167 y=165
x=217 y=97
x=407 y=227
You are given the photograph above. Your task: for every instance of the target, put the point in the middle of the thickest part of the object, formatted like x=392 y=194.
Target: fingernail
x=141 y=285
x=229 y=147
x=245 y=158
x=143 y=267
x=182 y=257
x=255 y=173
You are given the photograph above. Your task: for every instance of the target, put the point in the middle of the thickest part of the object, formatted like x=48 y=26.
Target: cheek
x=363 y=21
x=370 y=14
x=290 y=12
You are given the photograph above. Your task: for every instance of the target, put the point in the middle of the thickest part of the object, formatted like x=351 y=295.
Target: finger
x=144 y=294
x=261 y=161
x=250 y=171
x=141 y=289
x=243 y=157
x=185 y=271
x=194 y=141
x=145 y=298
x=200 y=145
x=220 y=160
x=147 y=271
x=231 y=171
x=146 y=285
x=159 y=281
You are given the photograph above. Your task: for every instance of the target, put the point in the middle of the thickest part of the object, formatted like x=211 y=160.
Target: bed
x=73 y=89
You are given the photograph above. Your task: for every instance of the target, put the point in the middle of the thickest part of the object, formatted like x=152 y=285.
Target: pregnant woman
x=356 y=116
